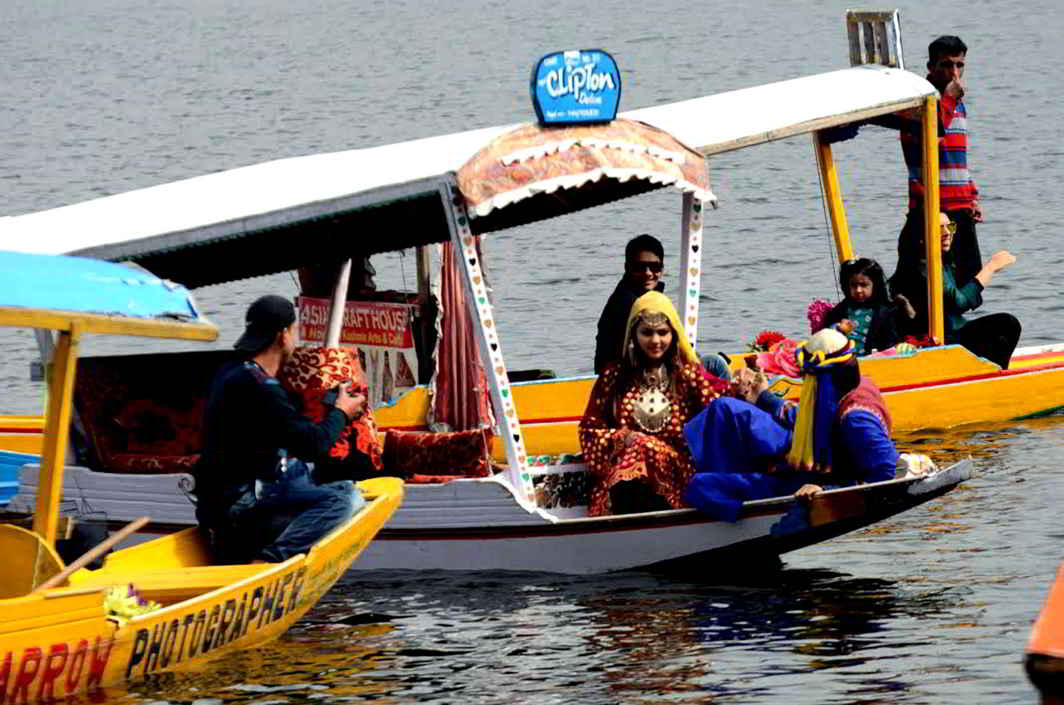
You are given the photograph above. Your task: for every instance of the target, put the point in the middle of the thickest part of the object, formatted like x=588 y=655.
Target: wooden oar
x=93 y=553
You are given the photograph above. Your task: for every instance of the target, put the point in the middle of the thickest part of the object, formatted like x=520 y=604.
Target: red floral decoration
x=766 y=339
x=922 y=341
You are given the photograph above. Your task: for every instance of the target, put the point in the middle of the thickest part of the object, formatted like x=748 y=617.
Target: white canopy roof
x=353 y=187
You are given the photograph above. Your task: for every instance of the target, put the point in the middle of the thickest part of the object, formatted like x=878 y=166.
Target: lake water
x=104 y=96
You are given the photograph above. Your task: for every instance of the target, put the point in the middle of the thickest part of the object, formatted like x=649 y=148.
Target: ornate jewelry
x=652 y=407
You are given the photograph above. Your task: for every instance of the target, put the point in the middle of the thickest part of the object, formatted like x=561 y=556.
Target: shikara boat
x=1044 y=660
x=532 y=513
x=64 y=640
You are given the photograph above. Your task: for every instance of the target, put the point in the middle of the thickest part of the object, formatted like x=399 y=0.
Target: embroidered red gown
x=659 y=458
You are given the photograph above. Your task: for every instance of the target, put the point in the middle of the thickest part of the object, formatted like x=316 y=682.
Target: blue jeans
x=291 y=515
x=716 y=365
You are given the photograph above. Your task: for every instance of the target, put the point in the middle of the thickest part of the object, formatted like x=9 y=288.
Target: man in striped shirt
x=958 y=194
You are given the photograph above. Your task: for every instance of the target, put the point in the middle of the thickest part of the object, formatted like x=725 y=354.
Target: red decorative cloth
x=416 y=454
x=311 y=372
x=144 y=413
x=617 y=449
x=867 y=397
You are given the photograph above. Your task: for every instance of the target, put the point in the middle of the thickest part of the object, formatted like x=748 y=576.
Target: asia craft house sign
x=576 y=87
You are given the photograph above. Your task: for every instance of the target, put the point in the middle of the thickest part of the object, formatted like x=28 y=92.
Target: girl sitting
x=632 y=430
x=867 y=305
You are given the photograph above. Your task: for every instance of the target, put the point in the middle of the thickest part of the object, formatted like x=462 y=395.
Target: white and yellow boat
x=63 y=640
x=455 y=188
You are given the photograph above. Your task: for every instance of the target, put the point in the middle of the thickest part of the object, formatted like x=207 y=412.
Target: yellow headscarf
x=656 y=302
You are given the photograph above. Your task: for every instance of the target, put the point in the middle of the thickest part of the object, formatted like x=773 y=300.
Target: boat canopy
x=75 y=296
x=532 y=173
x=47 y=291
x=243 y=222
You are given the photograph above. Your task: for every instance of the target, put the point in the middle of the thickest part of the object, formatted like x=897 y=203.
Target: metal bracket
x=875 y=38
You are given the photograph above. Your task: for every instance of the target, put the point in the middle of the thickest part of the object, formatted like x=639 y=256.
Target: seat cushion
x=457 y=454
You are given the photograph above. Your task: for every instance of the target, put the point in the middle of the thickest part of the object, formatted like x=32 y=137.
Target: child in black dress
x=868 y=307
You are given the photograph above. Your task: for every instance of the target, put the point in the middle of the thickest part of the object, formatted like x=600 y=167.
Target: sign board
x=576 y=87
x=383 y=334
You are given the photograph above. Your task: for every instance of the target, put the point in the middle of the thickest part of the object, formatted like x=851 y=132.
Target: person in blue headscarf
x=762 y=446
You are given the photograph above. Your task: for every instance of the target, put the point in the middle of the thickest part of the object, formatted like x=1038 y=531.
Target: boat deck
x=171 y=585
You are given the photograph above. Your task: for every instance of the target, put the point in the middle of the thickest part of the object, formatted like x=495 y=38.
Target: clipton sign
x=576 y=87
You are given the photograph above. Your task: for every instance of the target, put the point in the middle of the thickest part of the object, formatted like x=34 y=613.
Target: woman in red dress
x=632 y=430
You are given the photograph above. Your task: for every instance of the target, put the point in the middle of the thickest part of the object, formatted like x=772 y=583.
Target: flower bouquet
x=816 y=313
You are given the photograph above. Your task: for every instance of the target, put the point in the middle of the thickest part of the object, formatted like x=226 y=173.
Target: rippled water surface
x=104 y=96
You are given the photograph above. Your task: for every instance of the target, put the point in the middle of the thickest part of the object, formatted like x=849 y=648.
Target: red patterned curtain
x=461 y=396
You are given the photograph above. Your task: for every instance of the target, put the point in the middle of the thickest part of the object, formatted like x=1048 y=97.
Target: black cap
x=267 y=317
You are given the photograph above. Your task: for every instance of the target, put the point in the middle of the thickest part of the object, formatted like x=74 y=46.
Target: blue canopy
x=81 y=285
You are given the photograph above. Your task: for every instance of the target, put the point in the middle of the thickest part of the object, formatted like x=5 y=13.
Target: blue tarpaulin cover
x=83 y=285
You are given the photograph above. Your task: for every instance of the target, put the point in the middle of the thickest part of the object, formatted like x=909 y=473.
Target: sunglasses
x=950 y=228
x=653 y=267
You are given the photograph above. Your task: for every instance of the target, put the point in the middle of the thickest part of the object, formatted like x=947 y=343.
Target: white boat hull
x=477 y=525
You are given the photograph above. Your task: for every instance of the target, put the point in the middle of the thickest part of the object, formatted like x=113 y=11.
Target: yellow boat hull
x=60 y=642
x=22 y=434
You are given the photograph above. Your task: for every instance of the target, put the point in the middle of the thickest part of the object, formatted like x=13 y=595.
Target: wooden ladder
x=875 y=38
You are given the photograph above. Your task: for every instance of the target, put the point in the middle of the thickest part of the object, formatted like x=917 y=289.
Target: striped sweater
x=957 y=190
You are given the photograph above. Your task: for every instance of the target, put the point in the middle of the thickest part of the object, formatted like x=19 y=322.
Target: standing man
x=254 y=481
x=959 y=197
x=644 y=261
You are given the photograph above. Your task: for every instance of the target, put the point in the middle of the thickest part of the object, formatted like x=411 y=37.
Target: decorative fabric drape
x=461 y=398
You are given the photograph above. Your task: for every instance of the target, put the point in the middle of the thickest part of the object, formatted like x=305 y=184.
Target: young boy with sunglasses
x=644 y=262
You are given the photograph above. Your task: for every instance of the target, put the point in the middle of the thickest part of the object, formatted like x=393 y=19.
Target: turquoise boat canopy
x=80 y=285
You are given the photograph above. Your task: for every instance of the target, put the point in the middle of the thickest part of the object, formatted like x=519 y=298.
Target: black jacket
x=611 y=323
x=882 y=330
x=248 y=421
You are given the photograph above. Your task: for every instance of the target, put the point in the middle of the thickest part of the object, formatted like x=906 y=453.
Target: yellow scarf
x=802 y=454
x=656 y=302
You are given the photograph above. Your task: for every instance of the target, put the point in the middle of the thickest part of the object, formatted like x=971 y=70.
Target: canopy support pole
x=691 y=264
x=336 y=311
x=488 y=339
x=424 y=275
x=56 y=433
x=932 y=234
x=829 y=178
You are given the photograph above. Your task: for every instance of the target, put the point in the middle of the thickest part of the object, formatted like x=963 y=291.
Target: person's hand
x=1001 y=259
x=907 y=307
x=977 y=212
x=351 y=404
x=955 y=88
x=748 y=384
x=631 y=437
x=806 y=492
